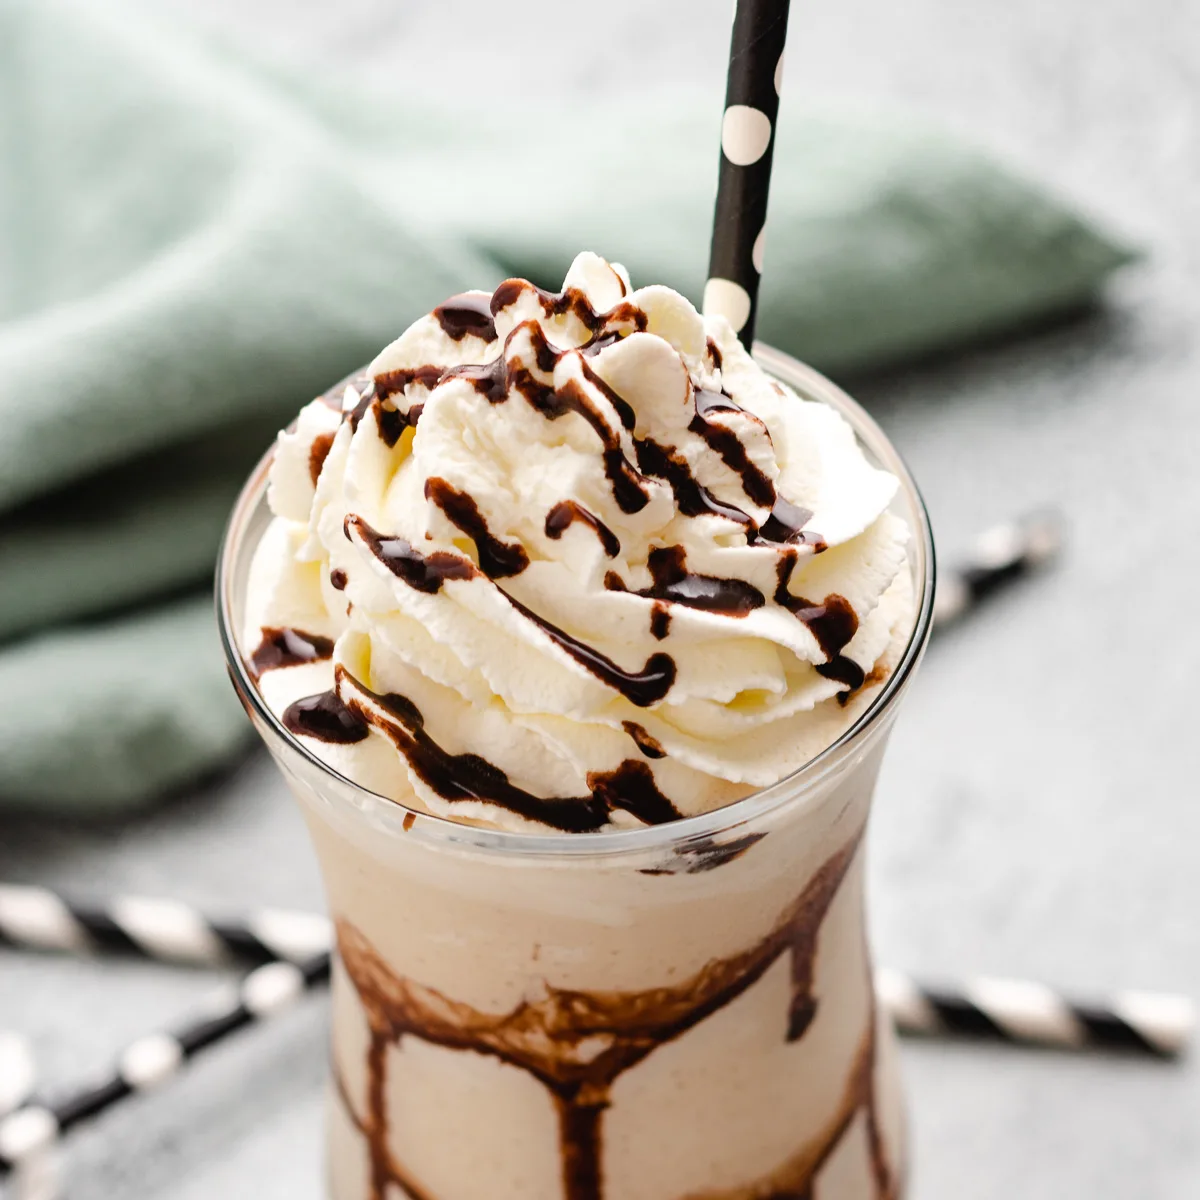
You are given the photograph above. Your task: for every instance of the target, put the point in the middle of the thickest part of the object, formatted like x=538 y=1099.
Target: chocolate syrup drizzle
x=786 y=526
x=427 y=573
x=287 y=647
x=643 y=688
x=692 y=498
x=660 y=621
x=391 y=422
x=317 y=454
x=366 y=397
x=468 y=313
x=651 y=747
x=566 y=512
x=457 y=777
x=704 y=854
x=326 y=718
x=423 y=572
x=674 y=583
x=577 y=1044
x=569 y=300
x=729 y=446
x=389 y=383
x=833 y=623
x=497 y=559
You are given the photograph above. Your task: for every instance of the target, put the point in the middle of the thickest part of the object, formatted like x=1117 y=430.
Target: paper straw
x=30 y=1135
x=747 y=146
x=998 y=556
x=165 y=930
x=1023 y=1012
x=37 y=1179
x=1019 y=1012
x=1158 y=1023
x=17 y=1074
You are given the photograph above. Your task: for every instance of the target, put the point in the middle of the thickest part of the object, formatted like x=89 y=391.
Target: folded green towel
x=192 y=245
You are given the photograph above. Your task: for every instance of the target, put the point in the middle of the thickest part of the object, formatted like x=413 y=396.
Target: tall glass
x=685 y=1010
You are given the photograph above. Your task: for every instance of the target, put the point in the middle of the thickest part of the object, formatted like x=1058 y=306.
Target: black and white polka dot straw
x=30 y=1133
x=747 y=145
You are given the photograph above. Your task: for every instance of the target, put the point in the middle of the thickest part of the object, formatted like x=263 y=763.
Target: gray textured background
x=1038 y=814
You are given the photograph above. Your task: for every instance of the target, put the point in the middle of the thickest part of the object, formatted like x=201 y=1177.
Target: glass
x=685 y=1010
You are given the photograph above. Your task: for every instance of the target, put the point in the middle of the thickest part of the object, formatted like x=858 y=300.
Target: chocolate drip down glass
x=683 y=1010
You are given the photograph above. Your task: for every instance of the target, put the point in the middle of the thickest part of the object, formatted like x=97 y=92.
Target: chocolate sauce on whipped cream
x=651 y=747
x=325 y=718
x=577 y=1044
x=692 y=498
x=489 y=379
x=389 y=383
x=497 y=559
x=317 y=455
x=428 y=572
x=375 y=394
x=675 y=583
x=643 y=688
x=366 y=397
x=569 y=300
x=786 y=525
x=630 y=464
x=833 y=622
x=660 y=621
x=624 y=409
x=457 y=777
x=729 y=446
x=287 y=647
x=566 y=512
x=467 y=314
x=424 y=572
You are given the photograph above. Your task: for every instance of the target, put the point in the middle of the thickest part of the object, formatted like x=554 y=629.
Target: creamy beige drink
x=577 y=636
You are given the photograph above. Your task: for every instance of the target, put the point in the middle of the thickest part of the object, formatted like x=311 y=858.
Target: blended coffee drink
x=577 y=635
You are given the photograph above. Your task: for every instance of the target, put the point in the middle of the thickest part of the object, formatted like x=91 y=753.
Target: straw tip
x=1166 y=1020
x=1033 y=539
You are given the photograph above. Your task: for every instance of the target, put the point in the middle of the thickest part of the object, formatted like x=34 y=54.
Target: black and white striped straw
x=30 y=1134
x=1014 y=1011
x=1021 y=1011
x=747 y=146
x=166 y=930
x=37 y=1178
x=995 y=558
x=1154 y=1022
x=17 y=1073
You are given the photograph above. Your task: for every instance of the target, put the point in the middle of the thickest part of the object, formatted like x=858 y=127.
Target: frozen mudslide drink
x=578 y=634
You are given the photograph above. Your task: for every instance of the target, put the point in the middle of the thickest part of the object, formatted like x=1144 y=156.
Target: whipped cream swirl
x=573 y=560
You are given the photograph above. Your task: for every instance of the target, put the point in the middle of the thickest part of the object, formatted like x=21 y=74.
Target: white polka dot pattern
x=747 y=146
x=730 y=300
x=745 y=134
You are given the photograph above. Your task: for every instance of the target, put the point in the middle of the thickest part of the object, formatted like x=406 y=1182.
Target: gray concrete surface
x=1038 y=814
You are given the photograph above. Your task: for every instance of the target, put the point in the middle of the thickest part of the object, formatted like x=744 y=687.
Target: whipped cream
x=573 y=560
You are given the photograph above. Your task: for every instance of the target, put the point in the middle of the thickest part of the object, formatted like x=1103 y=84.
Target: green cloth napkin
x=193 y=244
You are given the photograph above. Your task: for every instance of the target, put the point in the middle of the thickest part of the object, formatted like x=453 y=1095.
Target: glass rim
x=792 y=788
